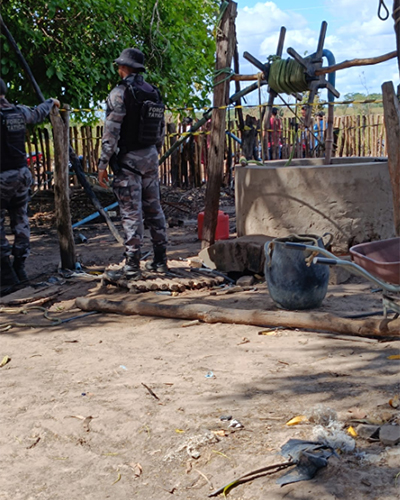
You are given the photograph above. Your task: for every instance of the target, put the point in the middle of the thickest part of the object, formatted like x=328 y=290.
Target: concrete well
x=352 y=199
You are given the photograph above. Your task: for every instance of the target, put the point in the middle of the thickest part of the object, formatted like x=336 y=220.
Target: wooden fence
x=360 y=135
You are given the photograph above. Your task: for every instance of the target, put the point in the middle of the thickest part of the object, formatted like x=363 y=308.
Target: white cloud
x=354 y=31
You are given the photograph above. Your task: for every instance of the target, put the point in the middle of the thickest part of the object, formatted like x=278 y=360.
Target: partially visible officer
x=133 y=135
x=15 y=181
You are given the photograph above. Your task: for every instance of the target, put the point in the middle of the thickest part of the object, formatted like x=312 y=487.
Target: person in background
x=133 y=136
x=305 y=140
x=275 y=135
x=15 y=182
x=319 y=132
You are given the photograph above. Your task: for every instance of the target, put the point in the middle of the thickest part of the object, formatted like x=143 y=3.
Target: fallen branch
x=211 y=314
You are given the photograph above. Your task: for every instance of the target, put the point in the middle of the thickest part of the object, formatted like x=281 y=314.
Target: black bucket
x=294 y=282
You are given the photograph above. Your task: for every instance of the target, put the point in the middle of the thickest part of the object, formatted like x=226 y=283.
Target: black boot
x=19 y=268
x=8 y=276
x=130 y=271
x=159 y=263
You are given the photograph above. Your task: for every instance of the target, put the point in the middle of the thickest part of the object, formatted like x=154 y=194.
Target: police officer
x=132 y=138
x=15 y=181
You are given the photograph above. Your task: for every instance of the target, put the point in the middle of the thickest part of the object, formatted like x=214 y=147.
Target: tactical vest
x=142 y=125
x=12 y=142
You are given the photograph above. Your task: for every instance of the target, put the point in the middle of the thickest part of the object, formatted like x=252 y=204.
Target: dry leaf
x=394 y=356
x=297 y=420
x=219 y=433
x=5 y=360
x=352 y=432
x=136 y=468
x=395 y=401
x=118 y=478
x=86 y=423
x=179 y=431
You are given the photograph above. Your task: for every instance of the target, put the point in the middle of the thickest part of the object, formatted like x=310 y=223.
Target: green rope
x=228 y=71
x=287 y=76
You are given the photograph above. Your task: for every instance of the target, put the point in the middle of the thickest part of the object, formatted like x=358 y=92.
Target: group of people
x=309 y=139
x=133 y=135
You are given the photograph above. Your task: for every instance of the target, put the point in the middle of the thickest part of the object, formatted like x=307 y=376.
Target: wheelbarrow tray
x=380 y=258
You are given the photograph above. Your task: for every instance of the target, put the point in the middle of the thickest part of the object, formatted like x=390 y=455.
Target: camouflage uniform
x=14 y=191
x=138 y=192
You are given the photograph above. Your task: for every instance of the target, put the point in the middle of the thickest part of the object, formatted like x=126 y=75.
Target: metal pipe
x=331 y=76
x=353 y=267
x=93 y=216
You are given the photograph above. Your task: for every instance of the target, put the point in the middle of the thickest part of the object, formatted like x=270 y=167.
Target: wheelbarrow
x=377 y=261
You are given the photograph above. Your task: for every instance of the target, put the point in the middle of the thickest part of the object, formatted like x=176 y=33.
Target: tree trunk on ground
x=226 y=41
x=61 y=189
x=211 y=314
x=391 y=109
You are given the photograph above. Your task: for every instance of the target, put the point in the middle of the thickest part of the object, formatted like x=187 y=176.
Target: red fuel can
x=222 y=230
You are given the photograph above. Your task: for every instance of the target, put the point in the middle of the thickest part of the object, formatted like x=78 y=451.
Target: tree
x=70 y=46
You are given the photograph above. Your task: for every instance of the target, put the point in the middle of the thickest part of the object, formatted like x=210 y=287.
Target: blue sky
x=354 y=31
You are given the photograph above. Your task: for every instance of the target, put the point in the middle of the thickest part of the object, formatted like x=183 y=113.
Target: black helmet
x=133 y=58
x=3 y=87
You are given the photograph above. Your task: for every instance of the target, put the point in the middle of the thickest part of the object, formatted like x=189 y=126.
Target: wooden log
x=171 y=131
x=363 y=135
x=342 y=136
x=226 y=41
x=329 y=135
x=61 y=189
x=356 y=62
x=391 y=109
x=396 y=17
x=239 y=111
x=47 y=153
x=315 y=321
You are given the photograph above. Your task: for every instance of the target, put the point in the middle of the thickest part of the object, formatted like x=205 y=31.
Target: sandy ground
x=78 y=422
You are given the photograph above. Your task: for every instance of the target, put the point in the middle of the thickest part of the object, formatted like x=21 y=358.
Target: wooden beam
x=226 y=41
x=391 y=111
x=245 y=78
x=61 y=188
x=396 y=18
x=315 y=321
x=356 y=62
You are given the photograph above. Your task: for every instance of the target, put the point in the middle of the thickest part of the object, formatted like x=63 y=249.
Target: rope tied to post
x=217 y=73
x=287 y=76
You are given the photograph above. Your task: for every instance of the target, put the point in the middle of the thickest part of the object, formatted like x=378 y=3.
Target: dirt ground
x=124 y=407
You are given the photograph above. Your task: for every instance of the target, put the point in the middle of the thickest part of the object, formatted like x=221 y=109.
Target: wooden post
x=226 y=41
x=396 y=17
x=391 y=109
x=61 y=188
x=329 y=135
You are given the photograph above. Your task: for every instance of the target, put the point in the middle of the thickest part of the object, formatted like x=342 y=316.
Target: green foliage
x=363 y=108
x=70 y=46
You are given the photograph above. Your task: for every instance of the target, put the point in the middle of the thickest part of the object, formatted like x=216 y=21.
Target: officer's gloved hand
x=103 y=178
